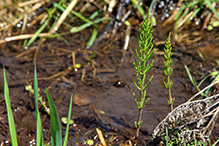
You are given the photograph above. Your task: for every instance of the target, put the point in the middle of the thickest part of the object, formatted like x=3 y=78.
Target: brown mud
x=103 y=96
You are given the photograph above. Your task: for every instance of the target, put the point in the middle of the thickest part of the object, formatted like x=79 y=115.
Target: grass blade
x=9 y=112
x=191 y=78
x=38 y=32
x=167 y=137
x=92 y=38
x=67 y=127
x=193 y=81
x=38 y=119
x=215 y=143
x=208 y=2
x=56 y=134
x=88 y=24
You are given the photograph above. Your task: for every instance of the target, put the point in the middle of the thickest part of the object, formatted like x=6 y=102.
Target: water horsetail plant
x=168 y=70
x=146 y=44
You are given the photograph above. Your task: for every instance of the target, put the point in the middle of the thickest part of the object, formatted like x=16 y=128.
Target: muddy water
x=104 y=100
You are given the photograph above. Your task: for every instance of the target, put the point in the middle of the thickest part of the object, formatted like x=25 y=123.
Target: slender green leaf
x=215 y=143
x=9 y=112
x=141 y=10
x=92 y=38
x=88 y=24
x=139 y=79
x=79 y=15
x=148 y=83
x=148 y=68
x=139 y=105
x=199 y=84
x=136 y=52
x=135 y=122
x=56 y=134
x=38 y=119
x=95 y=14
x=38 y=32
x=144 y=95
x=135 y=97
x=136 y=85
x=146 y=101
x=212 y=8
x=191 y=78
x=59 y=6
x=67 y=127
x=167 y=137
x=140 y=124
x=92 y=55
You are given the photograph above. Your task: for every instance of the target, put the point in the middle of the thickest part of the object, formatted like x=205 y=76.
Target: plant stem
x=140 y=110
x=138 y=124
x=168 y=70
x=142 y=67
x=170 y=95
x=170 y=99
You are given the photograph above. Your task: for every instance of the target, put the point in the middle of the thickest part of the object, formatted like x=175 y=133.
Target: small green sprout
x=89 y=142
x=65 y=120
x=168 y=70
x=40 y=99
x=146 y=44
x=78 y=65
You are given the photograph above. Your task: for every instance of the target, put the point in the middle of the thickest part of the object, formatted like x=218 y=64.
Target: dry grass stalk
x=6 y=25
x=16 y=15
x=191 y=119
x=102 y=140
x=64 y=15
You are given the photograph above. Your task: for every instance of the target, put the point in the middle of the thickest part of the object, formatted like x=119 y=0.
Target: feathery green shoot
x=146 y=44
x=168 y=70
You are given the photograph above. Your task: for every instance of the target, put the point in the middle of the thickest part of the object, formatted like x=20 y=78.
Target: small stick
x=86 y=6
x=37 y=6
x=24 y=24
x=73 y=60
x=37 y=19
x=127 y=38
x=21 y=37
x=28 y=3
x=119 y=14
x=211 y=122
x=64 y=15
x=207 y=18
x=185 y=19
x=102 y=140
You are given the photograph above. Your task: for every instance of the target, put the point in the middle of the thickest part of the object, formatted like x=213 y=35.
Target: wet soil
x=102 y=87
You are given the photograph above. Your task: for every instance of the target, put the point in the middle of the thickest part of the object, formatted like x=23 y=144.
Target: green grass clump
x=146 y=45
x=55 y=126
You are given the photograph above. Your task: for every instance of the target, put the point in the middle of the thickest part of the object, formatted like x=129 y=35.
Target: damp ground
x=102 y=87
